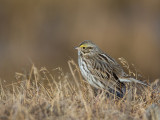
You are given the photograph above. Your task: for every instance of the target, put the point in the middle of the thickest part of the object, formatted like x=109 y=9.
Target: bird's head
x=87 y=47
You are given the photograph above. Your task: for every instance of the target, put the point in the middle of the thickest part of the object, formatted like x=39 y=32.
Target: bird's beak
x=77 y=48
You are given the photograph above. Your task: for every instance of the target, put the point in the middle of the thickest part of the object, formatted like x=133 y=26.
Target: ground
x=44 y=95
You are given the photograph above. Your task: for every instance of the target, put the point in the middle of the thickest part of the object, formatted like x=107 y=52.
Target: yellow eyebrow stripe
x=83 y=46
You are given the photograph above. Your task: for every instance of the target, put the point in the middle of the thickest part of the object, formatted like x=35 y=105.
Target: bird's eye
x=83 y=47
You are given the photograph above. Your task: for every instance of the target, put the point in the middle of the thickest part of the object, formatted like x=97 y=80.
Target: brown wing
x=105 y=72
x=116 y=68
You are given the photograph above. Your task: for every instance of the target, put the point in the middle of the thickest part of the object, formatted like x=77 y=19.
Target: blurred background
x=47 y=31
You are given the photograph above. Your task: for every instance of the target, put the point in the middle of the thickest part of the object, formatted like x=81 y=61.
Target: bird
x=102 y=71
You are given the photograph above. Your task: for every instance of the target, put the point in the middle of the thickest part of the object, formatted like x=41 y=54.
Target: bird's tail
x=132 y=80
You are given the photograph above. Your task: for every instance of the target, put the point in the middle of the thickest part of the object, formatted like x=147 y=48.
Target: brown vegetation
x=43 y=95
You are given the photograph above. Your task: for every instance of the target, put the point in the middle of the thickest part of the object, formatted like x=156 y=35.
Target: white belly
x=88 y=76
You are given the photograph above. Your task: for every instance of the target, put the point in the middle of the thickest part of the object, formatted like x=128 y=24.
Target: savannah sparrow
x=100 y=70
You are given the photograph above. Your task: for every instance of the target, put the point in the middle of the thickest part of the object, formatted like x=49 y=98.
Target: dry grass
x=42 y=95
